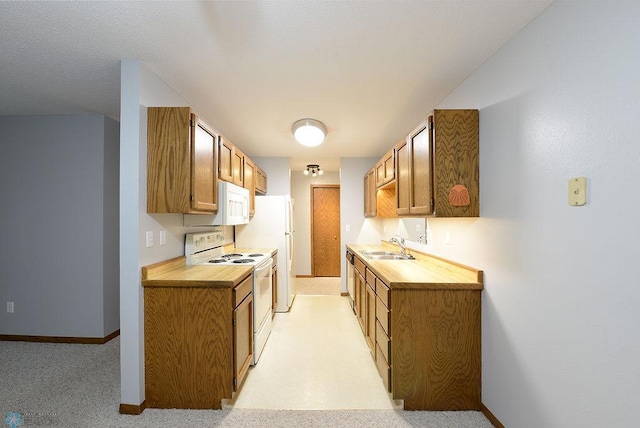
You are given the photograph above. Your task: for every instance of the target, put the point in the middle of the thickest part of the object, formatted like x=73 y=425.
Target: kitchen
x=188 y=294
x=526 y=235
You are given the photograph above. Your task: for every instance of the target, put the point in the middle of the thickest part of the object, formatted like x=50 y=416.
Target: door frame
x=312 y=187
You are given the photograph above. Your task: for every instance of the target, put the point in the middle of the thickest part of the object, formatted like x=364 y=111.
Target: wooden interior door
x=325 y=230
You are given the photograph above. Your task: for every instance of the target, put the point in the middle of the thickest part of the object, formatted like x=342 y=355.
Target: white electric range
x=207 y=248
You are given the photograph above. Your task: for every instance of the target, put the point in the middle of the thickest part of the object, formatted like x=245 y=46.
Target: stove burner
x=243 y=261
x=231 y=256
x=255 y=255
x=218 y=261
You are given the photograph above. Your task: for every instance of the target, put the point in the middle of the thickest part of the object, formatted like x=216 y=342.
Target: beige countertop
x=176 y=273
x=425 y=272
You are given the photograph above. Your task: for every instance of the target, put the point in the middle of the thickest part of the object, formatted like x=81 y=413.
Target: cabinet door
x=390 y=166
x=370 y=321
x=421 y=173
x=237 y=167
x=370 y=207
x=403 y=199
x=204 y=161
x=225 y=159
x=373 y=203
x=365 y=192
x=456 y=167
x=250 y=183
x=168 y=160
x=261 y=181
x=361 y=299
x=380 y=173
x=242 y=339
x=385 y=169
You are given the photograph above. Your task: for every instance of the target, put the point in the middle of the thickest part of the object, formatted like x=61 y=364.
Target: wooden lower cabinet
x=370 y=315
x=427 y=346
x=242 y=339
x=198 y=344
x=361 y=300
x=370 y=321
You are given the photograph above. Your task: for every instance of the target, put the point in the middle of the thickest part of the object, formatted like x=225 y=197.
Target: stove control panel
x=196 y=242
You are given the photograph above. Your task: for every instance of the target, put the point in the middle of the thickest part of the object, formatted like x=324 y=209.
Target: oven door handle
x=265 y=266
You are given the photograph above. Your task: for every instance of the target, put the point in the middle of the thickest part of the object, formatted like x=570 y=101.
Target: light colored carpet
x=64 y=385
x=318 y=286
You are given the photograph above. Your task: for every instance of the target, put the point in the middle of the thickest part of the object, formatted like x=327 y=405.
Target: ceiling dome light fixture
x=314 y=169
x=309 y=132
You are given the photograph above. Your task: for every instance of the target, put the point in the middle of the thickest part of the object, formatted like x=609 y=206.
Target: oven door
x=262 y=304
x=262 y=292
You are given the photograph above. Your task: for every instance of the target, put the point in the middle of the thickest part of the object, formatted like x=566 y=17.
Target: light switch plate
x=149 y=238
x=578 y=191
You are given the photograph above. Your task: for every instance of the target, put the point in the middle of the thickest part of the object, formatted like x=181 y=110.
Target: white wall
x=561 y=337
x=141 y=88
x=560 y=318
x=301 y=193
x=131 y=302
x=111 y=226
x=278 y=173
x=59 y=246
x=361 y=230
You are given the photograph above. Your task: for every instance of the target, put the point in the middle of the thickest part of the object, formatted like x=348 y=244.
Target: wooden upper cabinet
x=403 y=197
x=385 y=169
x=249 y=181
x=181 y=162
x=261 y=181
x=420 y=172
x=456 y=175
x=238 y=167
x=226 y=153
x=437 y=170
x=204 y=161
x=370 y=203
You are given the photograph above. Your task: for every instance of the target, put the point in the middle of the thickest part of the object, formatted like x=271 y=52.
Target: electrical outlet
x=417 y=228
x=10 y=307
x=163 y=237
x=149 y=238
x=348 y=228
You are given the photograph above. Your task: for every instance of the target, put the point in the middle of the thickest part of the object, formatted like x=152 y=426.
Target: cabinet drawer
x=242 y=290
x=383 y=342
x=383 y=369
x=359 y=265
x=382 y=290
x=371 y=279
x=383 y=315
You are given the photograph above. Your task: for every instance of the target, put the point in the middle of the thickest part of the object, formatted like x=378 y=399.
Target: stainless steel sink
x=391 y=256
x=379 y=253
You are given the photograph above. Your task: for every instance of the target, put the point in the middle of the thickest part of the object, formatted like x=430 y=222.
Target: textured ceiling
x=369 y=70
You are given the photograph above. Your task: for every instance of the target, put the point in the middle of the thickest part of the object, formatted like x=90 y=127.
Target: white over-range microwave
x=233 y=208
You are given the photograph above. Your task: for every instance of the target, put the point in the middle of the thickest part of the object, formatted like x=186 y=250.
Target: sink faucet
x=400 y=241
